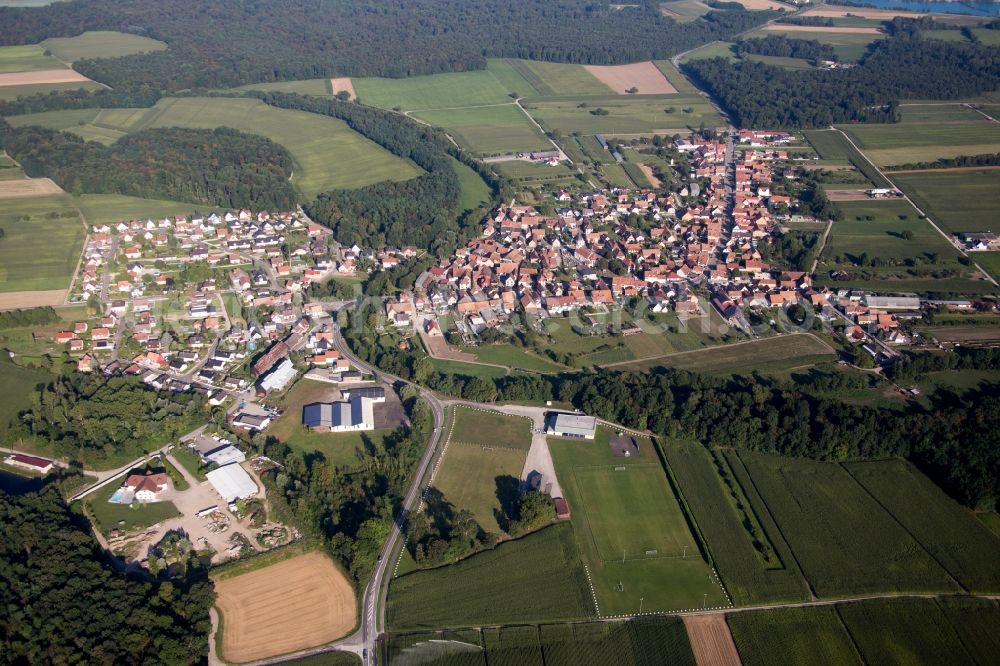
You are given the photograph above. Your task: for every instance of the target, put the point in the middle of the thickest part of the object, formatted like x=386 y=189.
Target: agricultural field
x=100 y=44
x=57 y=120
x=534 y=579
x=12 y=92
x=723 y=511
x=112 y=208
x=646 y=114
x=779 y=61
x=849 y=43
x=631 y=530
x=475 y=192
x=552 y=79
x=765 y=355
x=684 y=10
x=949 y=532
x=42 y=242
x=292 y=605
x=915 y=112
x=640 y=78
x=490 y=130
x=792 y=637
x=975 y=621
x=26 y=58
x=434 y=91
x=832 y=145
x=534 y=174
x=676 y=78
x=957 y=200
x=510 y=78
x=314 y=87
x=909 y=143
x=845 y=542
x=108 y=516
x=725 y=50
x=16 y=384
x=989 y=262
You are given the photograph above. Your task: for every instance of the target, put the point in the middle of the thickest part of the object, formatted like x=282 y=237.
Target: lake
x=939 y=7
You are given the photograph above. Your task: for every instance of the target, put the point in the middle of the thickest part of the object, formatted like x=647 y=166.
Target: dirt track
x=43 y=76
x=31 y=299
x=342 y=84
x=711 y=641
x=642 y=75
x=28 y=187
x=296 y=604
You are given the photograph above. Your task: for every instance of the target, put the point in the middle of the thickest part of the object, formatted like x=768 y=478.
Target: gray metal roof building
x=355 y=414
x=572 y=425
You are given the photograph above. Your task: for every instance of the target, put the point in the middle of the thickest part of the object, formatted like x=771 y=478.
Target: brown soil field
x=31 y=299
x=44 y=76
x=342 y=84
x=711 y=641
x=28 y=187
x=296 y=604
x=964 y=333
x=650 y=176
x=642 y=75
x=809 y=28
x=847 y=195
x=759 y=5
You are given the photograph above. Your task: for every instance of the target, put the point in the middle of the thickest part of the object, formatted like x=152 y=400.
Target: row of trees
x=64 y=603
x=220 y=167
x=901 y=67
x=225 y=44
x=28 y=317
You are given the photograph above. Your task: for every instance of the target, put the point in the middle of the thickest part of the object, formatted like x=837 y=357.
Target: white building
x=232 y=482
x=572 y=425
x=279 y=377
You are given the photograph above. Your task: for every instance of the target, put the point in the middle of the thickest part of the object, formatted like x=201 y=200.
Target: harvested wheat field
x=296 y=604
x=28 y=187
x=860 y=30
x=711 y=641
x=43 y=76
x=642 y=75
x=31 y=299
x=343 y=84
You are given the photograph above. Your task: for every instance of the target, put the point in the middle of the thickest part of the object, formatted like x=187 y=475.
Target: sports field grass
x=842 y=538
x=473 y=476
x=112 y=208
x=41 y=252
x=551 y=79
x=764 y=355
x=26 y=58
x=475 y=193
x=473 y=426
x=536 y=578
x=631 y=530
x=100 y=44
x=13 y=92
x=124 y=517
x=435 y=91
x=910 y=143
x=956 y=200
x=625 y=115
x=489 y=130
x=723 y=514
x=949 y=532
x=900 y=631
x=791 y=637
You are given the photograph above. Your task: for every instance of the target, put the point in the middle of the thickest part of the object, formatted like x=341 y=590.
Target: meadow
x=8 y=93
x=791 y=637
x=489 y=130
x=684 y=10
x=937 y=112
x=475 y=192
x=913 y=142
x=471 y=477
x=514 y=357
x=16 y=385
x=314 y=87
x=113 y=208
x=26 y=58
x=551 y=79
x=952 y=534
x=435 y=91
x=725 y=50
x=100 y=44
x=625 y=115
x=677 y=80
x=989 y=262
x=841 y=537
x=723 y=527
x=508 y=432
x=536 y=578
x=764 y=355
x=959 y=200
x=43 y=238
x=631 y=529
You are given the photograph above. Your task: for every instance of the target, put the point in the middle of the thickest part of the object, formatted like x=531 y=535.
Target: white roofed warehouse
x=232 y=482
x=572 y=425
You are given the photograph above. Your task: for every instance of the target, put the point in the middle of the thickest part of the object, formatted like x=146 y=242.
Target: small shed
x=562 y=509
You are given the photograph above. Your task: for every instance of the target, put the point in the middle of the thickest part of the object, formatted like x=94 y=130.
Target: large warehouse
x=232 y=482
x=572 y=425
x=356 y=414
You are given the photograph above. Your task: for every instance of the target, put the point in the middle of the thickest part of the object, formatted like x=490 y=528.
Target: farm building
x=40 y=465
x=572 y=425
x=562 y=509
x=278 y=378
x=225 y=455
x=232 y=482
x=251 y=421
x=892 y=302
x=356 y=414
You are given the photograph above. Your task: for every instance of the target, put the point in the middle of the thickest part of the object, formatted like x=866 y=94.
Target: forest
x=898 y=68
x=64 y=603
x=787 y=47
x=92 y=418
x=221 y=44
x=220 y=167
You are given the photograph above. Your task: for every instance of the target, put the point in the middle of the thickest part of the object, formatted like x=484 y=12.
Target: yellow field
x=296 y=604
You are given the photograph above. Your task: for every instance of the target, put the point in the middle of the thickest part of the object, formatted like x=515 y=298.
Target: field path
x=711 y=641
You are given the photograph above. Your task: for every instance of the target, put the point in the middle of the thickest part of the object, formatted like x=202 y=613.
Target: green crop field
x=957 y=200
x=511 y=79
x=113 y=208
x=910 y=143
x=845 y=542
x=949 y=532
x=989 y=262
x=832 y=145
x=8 y=93
x=472 y=477
x=631 y=530
x=489 y=130
x=26 y=58
x=901 y=631
x=42 y=243
x=533 y=579
x=473 y=426
x=976 y=622
x=100 y=44
x=58 y=120
x=435 y=91
x=725 y=50
x=791 y=637
x=937 y=113
x=124 y=517
x=551 y=79
x=765 y=355
x=625 y=115
x=748 y=577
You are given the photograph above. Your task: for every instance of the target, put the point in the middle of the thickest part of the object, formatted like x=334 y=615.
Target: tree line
x=28 y=317
x=220 y=167
x=226 y=44
x=901 y=67
x=786 y=47
x=65 y=603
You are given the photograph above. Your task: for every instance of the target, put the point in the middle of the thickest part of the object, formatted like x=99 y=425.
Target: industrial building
x=572 y=425
x=232 y=482
x=355 y=414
